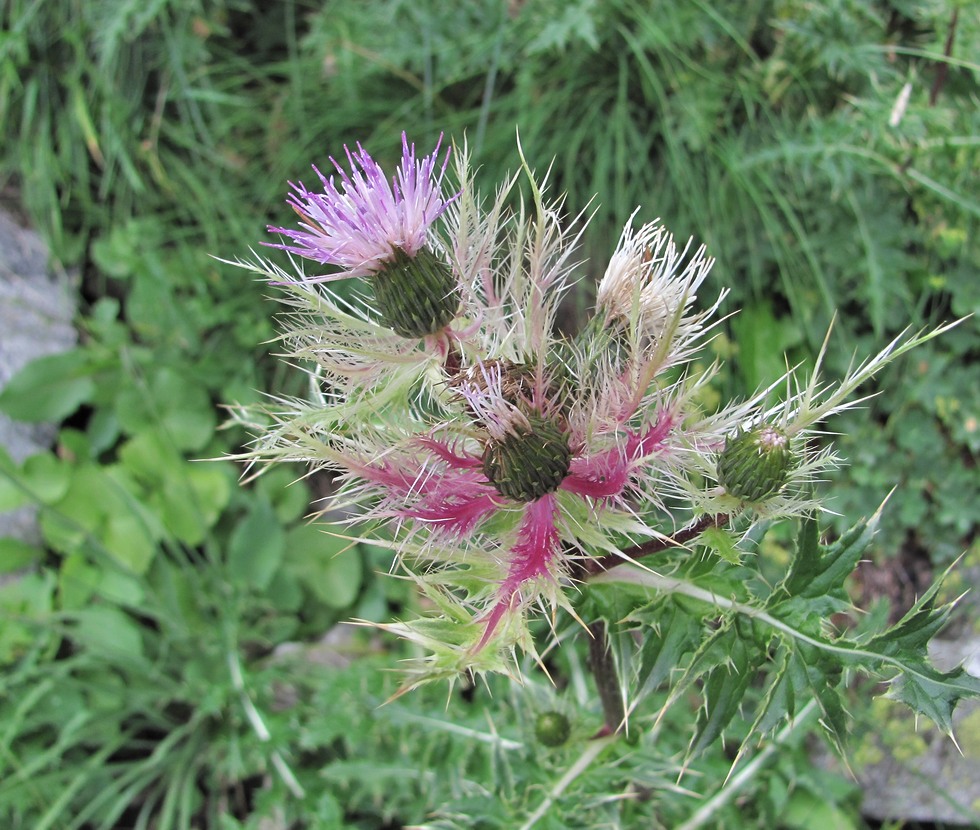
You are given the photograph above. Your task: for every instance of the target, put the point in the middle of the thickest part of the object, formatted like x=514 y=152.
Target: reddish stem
x=592 y=567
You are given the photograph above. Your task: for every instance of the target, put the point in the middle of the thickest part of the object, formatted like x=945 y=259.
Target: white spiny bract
x=503 y=462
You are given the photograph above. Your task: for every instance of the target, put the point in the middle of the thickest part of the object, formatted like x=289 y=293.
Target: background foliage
x=144 y=674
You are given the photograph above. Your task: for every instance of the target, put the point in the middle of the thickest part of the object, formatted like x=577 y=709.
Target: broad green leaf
x=108 y=631
x=128 y=539
x=762 y=342
x=12 y=491
x=807 y=811
x=286 y=490
x=77 y=581
x=122 y=251
x=120 y=588
x=15 y=555
x=327 y=565
x=187 y=496
x=95 y=496
x=256 y=547
x=46 y=477
x=172 y=403
x=49 y=388
x=28 y=598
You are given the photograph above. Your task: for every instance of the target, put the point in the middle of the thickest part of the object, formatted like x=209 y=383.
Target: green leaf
x=108 y=631
x=172 y=403
x=102 y=504
x=15 y=555
x=283 y=487
x=724 y=690
x=77 y=581
x=256 y=547
x=807 y=810
x=819 y=571
x=42 y=478
x=127 y=538
x=723 y=543
x=329 y=566
x=932 y=693
x=787 y=683
x=46 y=477
x=23 y=602
x=13 y=494
x=762 y=343
x=49 y=388
x=667 y=641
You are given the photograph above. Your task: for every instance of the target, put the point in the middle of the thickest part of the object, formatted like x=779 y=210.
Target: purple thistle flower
x=525 y=453
x=364 y=223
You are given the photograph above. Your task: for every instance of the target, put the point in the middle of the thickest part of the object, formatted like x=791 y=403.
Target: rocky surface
x=37 y=306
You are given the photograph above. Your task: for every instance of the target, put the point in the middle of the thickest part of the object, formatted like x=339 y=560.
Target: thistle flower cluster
x=503 y=462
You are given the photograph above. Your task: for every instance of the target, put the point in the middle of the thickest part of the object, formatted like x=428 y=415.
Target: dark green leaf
x=724 y=690
x=15 y=555
x=665 y=645
x=329 y=566
x=819 y=570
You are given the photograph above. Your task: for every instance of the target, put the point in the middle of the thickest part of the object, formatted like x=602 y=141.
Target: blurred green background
x=145 y=678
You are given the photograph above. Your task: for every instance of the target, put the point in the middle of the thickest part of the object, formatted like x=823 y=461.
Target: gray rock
x=37 y=306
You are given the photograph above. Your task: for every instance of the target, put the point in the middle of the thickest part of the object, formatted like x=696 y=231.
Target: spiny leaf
x=788 y=682
x=919 y=625
x=667 y=641
x=722 y=542
x=820 y=570
x=724 y=690
x=932 y=693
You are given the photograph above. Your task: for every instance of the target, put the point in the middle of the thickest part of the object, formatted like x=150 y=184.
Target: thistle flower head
x=648 y=288
x=368 y=220
x=506 y=461
x=371 y=226
x=517 y=478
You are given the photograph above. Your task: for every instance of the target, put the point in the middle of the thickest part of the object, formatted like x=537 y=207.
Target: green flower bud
x=530 y=462
x=756 y=464
x=416 y=295
x=552 y=729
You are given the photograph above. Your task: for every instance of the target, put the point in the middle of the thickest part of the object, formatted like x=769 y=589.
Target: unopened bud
x=552 y=729
x=756 y=464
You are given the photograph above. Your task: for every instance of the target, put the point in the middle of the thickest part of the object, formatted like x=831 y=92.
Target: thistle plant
x=539 y=486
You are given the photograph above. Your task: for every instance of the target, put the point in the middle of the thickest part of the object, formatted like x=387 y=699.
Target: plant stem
x=259 y=727
x=604 y=563
x=603 y=667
